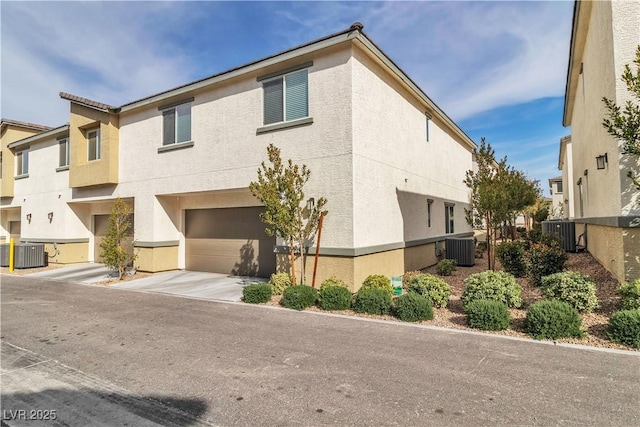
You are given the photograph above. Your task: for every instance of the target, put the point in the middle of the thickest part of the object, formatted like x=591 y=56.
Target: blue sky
x=497 y=68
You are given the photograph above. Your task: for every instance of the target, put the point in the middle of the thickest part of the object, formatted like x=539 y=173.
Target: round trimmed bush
x=445 y=267
x=372 y=301
x=630 y=295
x=257 y=293
x=335 y=297
x=432 y=287
x=378 y=281
x=299 y=297
x=406 y=277
x=573 y=288
x=553 y=319
x=332 y=282
x=624 y=327
x=279 y=282
x=511 y=256
x=492 y=285
x=487 y=315
x=543 y=260
x=412 y=307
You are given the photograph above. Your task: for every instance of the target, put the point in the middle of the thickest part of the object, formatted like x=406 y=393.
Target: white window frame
x=22 y=162
x=98 y=144
x=449 y=218
x=283 y=78
x=65 y=142
x=175 y=108
x=427 y=120
x=559 y=187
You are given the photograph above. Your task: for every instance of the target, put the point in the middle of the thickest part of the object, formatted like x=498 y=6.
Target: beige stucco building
x=601 y=199
x=390 y=162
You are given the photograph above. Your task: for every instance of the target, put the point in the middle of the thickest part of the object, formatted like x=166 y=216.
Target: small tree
x=280 y=189
x=117 y=249
x=624 y=125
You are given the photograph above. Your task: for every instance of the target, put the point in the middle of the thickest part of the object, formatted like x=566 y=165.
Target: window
x=63 y=152
x=0 y=164
x=429 y=205
x=449 y=218
x=176 y=124
x=428 y=118
x=93 y=144
x=559 y=187
x=22 y=163
x=286 y=97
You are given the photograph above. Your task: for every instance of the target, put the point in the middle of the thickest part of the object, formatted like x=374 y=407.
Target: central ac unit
x=461 y=250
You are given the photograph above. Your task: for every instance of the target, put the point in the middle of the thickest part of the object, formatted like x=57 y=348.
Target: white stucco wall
x=227 y=152
x=395 y=168
x=44 y=191
x=610 y=43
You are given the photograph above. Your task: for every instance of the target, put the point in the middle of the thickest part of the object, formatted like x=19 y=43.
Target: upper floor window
x=93 y=144
x=176 y=124
x=429 y=206
x=559 y=187
x=286 y=97
x=63 y=152
x=0 y=164
x=449 y=218
x=427 y=120
x=22 y=162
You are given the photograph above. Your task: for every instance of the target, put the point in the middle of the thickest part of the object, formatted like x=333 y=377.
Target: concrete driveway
x=192 y=284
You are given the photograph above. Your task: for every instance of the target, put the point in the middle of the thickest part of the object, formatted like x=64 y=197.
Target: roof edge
x=89 y=103
x=24 y=125
x=35 y=138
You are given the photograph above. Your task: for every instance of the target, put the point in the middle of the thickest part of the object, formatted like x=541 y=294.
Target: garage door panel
x=229 y=241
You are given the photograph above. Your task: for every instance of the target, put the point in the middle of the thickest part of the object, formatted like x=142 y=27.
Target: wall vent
x=461 y=250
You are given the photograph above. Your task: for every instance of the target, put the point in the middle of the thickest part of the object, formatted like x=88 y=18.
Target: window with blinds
x=176 y=124
x=286 y=97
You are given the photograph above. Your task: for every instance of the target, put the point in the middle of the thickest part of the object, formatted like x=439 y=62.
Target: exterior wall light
x=50 y=216
x=601 y=161
x=311 y=203
x=29 y=218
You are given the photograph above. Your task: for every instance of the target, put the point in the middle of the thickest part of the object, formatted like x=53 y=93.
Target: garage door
x=229 y=241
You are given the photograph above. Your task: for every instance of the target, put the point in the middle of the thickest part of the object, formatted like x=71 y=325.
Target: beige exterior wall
x=10 y=134
x=616 y=249
x=157 y=259
x=82 y=172
x=67 y=253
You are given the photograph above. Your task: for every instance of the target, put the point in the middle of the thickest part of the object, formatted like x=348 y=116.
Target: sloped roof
x=25 y=125
x=87 y=102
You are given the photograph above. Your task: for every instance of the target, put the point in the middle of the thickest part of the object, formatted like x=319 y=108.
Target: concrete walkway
x=192 y=284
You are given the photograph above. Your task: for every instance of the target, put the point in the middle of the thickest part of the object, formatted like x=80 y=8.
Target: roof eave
x=41 y=136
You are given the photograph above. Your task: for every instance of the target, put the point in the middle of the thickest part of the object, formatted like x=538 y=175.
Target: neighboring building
x=557 y=207
x=604 y=38
x=389 y=161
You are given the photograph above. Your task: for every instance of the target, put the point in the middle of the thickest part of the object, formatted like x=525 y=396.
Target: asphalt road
x=234 y=364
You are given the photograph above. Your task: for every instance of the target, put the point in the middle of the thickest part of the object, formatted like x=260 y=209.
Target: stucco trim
x=285 y=71
x=177 y=146
x=162 y=244
x=368 y=250
x=61 y=241
x=23 y=176
x=612 y=221
x=62 y=168
x=284 y=125
x=176 y=103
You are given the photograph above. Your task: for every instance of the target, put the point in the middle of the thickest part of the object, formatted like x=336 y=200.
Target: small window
x=63 y=152
x=93 y=144
x=286 y=97
x=427 y=120
x=449 y=219
x=176 y=124
x=559 y=187
x=0 y=164
x=429 y=205
x=22 y=162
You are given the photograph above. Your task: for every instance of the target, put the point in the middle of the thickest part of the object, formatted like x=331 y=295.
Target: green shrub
x=335 y=297
x=487 y=315
x=573 y=288
x=372 y=301
x=299 y=297
x=445 y=267
x=378 y=281
x=492 y=285
x=553 y=319
x=630 y=295
x=432 y=287
x=257 y=293
x=543 y=260
x=511 y=256
x=406 y=277
x=332 y=282
x=537 y=236
x=279 y=282
x=624 y=327
x=412 y=307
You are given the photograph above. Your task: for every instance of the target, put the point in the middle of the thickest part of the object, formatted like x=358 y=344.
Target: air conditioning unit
x=29 y=255
x=4 y=255
x=461 y=250
x=566 y=231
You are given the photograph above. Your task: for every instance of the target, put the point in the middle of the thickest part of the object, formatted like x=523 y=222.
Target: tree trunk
x=293 y=262
x=488 y=225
